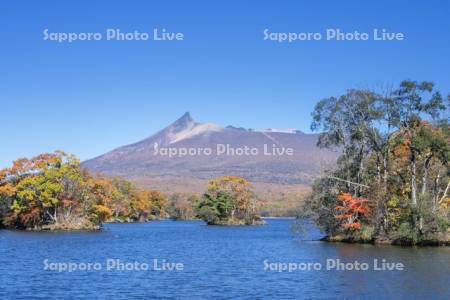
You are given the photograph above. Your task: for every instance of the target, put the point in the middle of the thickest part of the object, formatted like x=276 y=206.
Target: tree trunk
x=445 y=193
x=385 y=173
x=361 y=169
x=52 y=217
x=426 y=166
x=56 y=215
x=413 y=181
x=378 y=169
x=436 y=191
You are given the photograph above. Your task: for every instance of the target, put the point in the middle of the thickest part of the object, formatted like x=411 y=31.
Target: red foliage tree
x=351 y=211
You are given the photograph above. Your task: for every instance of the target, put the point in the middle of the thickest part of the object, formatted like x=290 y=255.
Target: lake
x=213 y=262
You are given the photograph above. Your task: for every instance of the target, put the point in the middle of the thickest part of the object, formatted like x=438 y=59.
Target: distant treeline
x=52 y=191
x=391 y=183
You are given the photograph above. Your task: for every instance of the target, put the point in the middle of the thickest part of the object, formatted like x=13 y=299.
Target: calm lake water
x=218 y=262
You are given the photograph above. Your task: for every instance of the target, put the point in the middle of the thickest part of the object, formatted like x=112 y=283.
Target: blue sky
x=90 y=97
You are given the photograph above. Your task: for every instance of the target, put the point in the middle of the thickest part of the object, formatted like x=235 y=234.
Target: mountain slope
x=149 y=159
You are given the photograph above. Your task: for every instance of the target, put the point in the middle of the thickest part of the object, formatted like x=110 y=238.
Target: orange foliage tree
x=352 y=210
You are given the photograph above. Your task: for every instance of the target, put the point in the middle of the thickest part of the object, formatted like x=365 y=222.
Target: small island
x=228 y=201
x=391 y=182
x=52 y=192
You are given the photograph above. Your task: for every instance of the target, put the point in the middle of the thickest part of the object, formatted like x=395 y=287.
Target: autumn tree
x=228 y=200
x=395 y=154
x=351 y=210
x=148 y=204
x=348 y=123
x=181 y=206
x=413 y=101
x=43 y=190
x=53 y=191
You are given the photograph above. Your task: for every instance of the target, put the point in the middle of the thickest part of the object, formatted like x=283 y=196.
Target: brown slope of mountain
x=149 y=163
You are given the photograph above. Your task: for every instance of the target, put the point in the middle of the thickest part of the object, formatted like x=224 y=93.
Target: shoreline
x=388 y=242
x=279 y=218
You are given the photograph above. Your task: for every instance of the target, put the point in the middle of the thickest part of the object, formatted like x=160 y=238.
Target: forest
x=391 y=182
x=53 y=192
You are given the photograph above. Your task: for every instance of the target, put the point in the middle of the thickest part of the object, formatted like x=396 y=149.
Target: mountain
x=187 y=151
